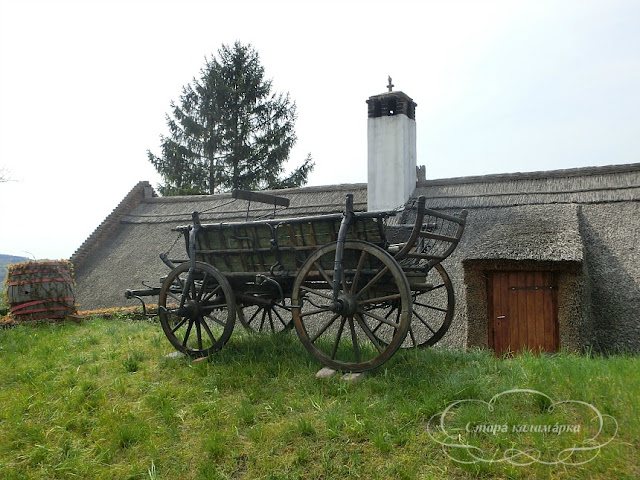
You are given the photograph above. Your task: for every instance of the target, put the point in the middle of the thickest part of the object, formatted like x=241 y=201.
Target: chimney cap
x=396 y=93
x=391 y=103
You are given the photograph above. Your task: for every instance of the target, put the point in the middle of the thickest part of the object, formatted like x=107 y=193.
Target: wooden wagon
x=355 y=287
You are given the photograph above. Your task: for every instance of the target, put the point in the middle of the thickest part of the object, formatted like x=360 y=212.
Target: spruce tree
x=229 y=131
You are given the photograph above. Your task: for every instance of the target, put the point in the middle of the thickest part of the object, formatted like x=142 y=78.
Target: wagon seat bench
x=354 y=297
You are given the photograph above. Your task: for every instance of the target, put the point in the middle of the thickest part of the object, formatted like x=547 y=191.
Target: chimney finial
x=391 y=85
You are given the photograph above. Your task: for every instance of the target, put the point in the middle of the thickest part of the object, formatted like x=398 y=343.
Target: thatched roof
x=589 y=185
x=523 y=216
x=548 y=233
x=216 y=208
x=529 y=216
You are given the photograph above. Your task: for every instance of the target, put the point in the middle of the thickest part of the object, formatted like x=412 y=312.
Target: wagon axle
x=345 y=305
x=191 y=309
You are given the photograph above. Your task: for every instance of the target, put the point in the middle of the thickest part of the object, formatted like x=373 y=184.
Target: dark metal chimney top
x=391 y=103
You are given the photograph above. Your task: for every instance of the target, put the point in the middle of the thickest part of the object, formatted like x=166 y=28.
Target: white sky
x=501 y=86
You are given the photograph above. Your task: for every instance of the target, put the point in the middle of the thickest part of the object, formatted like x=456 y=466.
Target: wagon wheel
x=432 y=308
x=341 y=336
x=268 y=316
x=200 y=321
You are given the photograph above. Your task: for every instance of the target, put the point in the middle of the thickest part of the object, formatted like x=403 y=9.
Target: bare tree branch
x=4 y=175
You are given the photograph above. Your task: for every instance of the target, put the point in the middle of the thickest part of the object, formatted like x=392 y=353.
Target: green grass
x=100 y=400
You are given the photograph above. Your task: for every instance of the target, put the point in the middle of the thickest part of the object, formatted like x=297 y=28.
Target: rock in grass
x=353 y=377
x=325 y=372
x=175 y=355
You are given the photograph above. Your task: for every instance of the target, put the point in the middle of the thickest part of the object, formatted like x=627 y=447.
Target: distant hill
x=6 y=260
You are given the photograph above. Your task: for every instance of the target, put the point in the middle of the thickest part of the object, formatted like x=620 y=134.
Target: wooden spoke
x=199 y=333
x=219 y=321
x=320 y=293
x=209 y=295
x=392 y=310
x=369 y=333
x=386 y=298
x=432 y=311
x=354 y=339
x=324 y=328
x=208 y=330
x=424 y=322
x=314 y=312
x=440 y=309
x=203 y=287
x=255 y=314
x=372 y=282
x=212 y=308
x=179 y=324
x=356 y=277
x=379 y=318
x=337 y=339
x=326 y=277
x=177 y=298
x=187 y=333
x=282 y=322
x=265 y=316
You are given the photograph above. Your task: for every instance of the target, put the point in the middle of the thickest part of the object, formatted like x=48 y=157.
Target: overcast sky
x=501 y=86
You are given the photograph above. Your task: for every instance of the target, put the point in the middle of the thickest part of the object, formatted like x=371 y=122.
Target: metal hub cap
x=346 y=305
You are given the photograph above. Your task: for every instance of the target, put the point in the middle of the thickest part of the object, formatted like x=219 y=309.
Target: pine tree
x=229 y=131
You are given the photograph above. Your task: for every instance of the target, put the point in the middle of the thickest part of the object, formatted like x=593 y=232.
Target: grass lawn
x=101 y=400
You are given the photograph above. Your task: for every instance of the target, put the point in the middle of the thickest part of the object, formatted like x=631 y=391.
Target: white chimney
x=391 y=138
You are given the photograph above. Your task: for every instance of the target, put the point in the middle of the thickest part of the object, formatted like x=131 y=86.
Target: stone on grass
x=175 y=355
x=352 y=377
x=325 y=372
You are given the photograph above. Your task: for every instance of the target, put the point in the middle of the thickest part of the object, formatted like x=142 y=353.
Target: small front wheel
x=197 y=309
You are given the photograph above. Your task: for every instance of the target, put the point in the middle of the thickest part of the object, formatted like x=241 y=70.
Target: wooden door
x=523 y=312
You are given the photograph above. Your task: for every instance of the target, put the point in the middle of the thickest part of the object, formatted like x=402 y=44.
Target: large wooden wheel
x=197 y=309
x=340 y=334
x=432 y=310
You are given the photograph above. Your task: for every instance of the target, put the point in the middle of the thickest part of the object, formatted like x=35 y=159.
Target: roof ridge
x=135 y=197
x=506 y=177
x=281 y=191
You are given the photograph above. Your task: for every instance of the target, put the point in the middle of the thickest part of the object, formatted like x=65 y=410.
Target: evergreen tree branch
x=228 y=130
